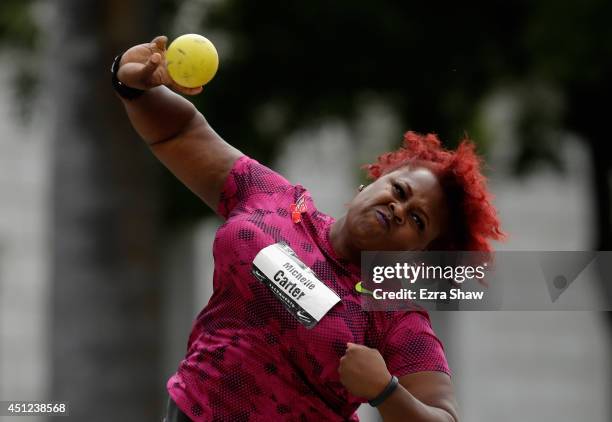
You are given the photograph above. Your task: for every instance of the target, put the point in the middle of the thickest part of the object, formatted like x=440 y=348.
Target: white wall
x=24 y=265
x=535 y=366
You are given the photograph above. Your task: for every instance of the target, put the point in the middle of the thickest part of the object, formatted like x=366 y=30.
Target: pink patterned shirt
x=248 y=358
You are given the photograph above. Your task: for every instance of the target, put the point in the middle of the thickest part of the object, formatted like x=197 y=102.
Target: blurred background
x=105 y=259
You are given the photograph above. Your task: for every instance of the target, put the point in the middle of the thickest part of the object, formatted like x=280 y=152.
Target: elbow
x=449 y=415
x=196 y=122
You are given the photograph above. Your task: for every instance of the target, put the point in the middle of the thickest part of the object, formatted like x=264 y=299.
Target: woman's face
x=402 y=210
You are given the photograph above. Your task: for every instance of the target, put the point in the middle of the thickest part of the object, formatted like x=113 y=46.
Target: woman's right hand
x=144 y=67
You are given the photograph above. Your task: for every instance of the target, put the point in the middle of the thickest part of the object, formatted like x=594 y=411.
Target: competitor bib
x=294 y=284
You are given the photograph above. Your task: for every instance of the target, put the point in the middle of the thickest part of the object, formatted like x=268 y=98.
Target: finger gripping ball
x=192 y=60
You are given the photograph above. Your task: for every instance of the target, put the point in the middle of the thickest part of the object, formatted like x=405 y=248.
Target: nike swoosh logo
x=360 y=289
x=302 y=315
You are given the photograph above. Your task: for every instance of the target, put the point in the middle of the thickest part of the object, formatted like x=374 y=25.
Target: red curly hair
x=473 y=218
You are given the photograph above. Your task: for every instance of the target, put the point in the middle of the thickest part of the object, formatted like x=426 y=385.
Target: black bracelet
x=123 y=90
x=389 y=389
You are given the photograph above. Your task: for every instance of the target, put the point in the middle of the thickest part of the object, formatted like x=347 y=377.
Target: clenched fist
x=363 y=371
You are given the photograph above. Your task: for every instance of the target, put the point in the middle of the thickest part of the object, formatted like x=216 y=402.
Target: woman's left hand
x=363 y=371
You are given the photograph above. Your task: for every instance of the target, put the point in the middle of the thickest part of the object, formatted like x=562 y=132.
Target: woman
x=256 y=352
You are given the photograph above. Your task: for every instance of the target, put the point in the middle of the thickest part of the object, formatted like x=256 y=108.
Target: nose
x=398 y=213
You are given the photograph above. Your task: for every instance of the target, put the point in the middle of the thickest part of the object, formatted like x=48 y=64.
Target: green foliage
x=432 y=63
x=568 y=46
x=286 y=65
x=19 y=31
x=570 y=42
x=17 y=28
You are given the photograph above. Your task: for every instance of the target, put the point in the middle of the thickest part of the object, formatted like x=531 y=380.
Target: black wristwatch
x=123 y=90
x=389 y=389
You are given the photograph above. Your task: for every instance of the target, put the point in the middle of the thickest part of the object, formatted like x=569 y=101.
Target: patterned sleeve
x=249 y=181
x=411 y=346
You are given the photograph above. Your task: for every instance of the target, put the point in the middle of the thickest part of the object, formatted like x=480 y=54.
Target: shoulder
x=248 y=184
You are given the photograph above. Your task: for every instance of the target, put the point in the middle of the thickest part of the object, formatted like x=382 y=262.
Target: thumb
x=159 y=43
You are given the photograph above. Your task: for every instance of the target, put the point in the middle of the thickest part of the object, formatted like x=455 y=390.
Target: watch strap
x=389 y=389
x=123 y=90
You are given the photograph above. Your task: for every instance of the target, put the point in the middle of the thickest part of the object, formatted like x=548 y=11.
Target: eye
x=418 y=221
x=399 y=191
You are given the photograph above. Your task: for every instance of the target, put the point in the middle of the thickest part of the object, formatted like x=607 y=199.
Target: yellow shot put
x=192 y=60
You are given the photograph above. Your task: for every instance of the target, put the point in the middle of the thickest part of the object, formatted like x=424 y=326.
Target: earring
x=360 y=188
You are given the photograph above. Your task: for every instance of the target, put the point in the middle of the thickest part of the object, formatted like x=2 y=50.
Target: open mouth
x=382 y=219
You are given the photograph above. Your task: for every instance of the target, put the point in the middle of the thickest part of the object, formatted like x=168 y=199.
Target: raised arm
x=177 y=133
